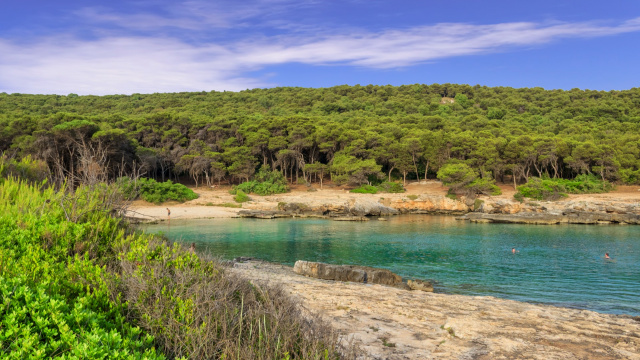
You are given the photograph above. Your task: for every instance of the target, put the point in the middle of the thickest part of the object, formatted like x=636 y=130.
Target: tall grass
x=76 y=282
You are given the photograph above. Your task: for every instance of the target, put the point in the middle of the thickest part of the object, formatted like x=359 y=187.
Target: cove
x=560 y=265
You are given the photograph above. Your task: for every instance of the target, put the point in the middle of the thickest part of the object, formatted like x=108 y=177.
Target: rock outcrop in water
x=420 y=285
x=353 y=273
x=548 y=213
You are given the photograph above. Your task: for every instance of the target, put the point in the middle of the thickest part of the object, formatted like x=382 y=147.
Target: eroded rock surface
x=390 y=323
x=353 y=273
x=420 y=285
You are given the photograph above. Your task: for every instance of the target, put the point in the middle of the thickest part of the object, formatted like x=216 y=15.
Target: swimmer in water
x=606 y=256
x=513 y=250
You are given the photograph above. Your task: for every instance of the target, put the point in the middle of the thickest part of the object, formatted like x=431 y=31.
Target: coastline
x=621 y=206
x=390 y=323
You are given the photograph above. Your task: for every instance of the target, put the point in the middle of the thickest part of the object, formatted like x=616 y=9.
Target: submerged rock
x=420 y=285
x=350 y=218
x=353 y=273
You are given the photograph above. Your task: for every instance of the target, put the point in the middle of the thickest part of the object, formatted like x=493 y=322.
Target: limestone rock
x=350 y=218
x=353 y=273
x=431 y=205
x=420 y=285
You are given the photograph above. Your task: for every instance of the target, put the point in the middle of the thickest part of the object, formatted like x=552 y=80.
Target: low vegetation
x=227 y=205
x=155 y=192
x=554 y=189
x=78 y=283
x=365 y=189
x=265 y=182
x=385 y=187
x=241 y=197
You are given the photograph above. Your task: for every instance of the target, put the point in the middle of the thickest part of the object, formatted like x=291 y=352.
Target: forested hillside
x=349 y=133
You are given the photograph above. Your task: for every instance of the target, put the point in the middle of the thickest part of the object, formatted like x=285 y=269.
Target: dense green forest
x=350 y=134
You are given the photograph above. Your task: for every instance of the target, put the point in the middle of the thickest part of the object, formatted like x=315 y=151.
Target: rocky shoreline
x=392 y=323
x=619 y=207
x=479 y=210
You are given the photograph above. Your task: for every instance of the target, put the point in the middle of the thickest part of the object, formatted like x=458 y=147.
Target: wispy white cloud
x=399 y=48
x=124 y=63
x=118 y=65
x=199 y=15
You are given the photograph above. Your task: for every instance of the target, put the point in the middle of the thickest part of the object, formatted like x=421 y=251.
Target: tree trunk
x=425 y=171
x=390 y=170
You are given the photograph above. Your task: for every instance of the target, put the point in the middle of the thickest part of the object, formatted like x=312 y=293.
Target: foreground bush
x=553 y=189
x=155 y=192
x=76 y=283
x=55 y=299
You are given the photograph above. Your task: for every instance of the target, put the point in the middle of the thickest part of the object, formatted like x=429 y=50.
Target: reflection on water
x=562 y=265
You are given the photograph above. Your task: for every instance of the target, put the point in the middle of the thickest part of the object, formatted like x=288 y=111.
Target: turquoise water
x=561 y=265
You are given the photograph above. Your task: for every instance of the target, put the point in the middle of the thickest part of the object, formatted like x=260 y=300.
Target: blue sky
x=124 y=47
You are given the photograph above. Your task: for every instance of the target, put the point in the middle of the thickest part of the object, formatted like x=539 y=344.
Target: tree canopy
x=352 y=134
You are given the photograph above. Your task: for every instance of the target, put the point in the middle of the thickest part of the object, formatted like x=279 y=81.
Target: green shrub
x=412 y=197
x=630 y=177
x=365 y=189
x=391 y=187
x=241 y=197
x=266 y=182
x=76 y=283
x=553 y=189
x=463 y=180
x=56 y=299
x=483 y=186
x=26 y=169
x=155 y=192
x=387 y=187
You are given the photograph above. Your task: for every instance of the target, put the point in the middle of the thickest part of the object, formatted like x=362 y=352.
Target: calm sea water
x=561 y=265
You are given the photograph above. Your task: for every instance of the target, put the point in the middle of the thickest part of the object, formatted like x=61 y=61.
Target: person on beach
x=192 y=248
x=168 y=214
x=606 y=256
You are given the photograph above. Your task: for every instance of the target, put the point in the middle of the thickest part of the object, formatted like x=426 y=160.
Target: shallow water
x=562 y=265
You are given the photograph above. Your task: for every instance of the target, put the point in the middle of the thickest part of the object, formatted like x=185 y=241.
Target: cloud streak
x=124 y=63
